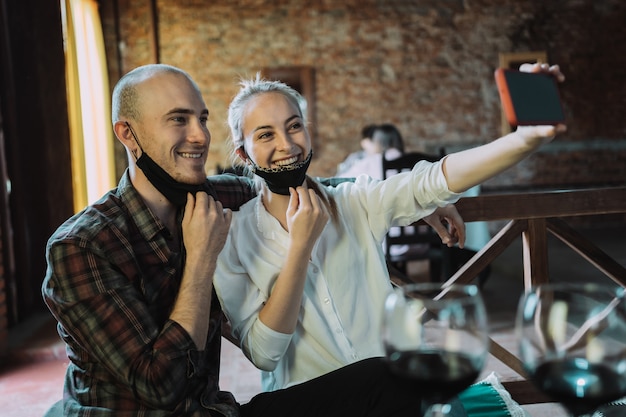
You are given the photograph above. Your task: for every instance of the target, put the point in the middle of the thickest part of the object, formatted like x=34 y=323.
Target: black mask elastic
x=174 y=191
x=279 y=180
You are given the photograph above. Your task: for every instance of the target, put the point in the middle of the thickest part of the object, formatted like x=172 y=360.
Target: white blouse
x=347 y=278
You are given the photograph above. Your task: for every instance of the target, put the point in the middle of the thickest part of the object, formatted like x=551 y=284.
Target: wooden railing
x=532 y=215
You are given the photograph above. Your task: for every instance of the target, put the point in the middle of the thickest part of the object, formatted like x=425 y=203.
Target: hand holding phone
x=529 y=98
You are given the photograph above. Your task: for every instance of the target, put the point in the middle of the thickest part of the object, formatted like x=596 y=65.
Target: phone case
x=529 y=98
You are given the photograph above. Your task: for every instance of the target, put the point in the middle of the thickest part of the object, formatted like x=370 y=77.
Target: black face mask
x=174 y=191
x=279 y=180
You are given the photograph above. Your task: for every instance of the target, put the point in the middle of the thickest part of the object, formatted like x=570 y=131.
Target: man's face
x=173 y=127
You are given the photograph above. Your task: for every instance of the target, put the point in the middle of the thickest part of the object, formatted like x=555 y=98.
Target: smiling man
x=129 y=278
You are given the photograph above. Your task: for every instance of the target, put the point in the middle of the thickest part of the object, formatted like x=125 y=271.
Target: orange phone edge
x=505 y=97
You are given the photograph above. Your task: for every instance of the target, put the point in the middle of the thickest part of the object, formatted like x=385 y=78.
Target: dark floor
x=33 y=378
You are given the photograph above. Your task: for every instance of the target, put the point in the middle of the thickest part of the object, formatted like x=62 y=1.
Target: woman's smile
x=287 y=161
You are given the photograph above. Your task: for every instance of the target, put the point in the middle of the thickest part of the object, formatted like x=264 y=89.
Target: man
x=130 y=279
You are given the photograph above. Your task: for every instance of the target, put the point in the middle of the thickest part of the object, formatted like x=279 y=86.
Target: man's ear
x=123 y=134
x=241 y=153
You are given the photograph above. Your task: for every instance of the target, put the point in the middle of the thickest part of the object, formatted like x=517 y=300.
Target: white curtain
x=93 y=170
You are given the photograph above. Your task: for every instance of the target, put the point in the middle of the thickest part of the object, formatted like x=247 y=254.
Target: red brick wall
x=425 y=65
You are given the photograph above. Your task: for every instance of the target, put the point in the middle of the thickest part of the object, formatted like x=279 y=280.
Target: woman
x=367 y=147
x=386 y=139
x=313 y=289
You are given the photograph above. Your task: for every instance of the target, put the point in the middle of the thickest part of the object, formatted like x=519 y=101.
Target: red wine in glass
x=436 y=335
x=580 y=386
x=572 y=343
x=439 y=375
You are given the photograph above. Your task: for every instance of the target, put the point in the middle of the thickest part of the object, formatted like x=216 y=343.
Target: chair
x=414 y=242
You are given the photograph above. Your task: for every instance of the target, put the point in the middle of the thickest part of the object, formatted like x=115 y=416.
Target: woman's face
x=274 y=133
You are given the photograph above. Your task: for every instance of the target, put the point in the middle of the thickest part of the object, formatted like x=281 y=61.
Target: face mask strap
x=132 y=132
x=173 y=190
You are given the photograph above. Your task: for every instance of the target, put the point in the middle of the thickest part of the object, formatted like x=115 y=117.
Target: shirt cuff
x=267 y=346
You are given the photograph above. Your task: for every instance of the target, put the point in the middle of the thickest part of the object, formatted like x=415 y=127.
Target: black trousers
x=363 y=389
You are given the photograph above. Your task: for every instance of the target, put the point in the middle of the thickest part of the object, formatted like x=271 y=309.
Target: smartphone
x=529 y=98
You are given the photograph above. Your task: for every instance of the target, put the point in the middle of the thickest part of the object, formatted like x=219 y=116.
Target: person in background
x=367 y=147
x=308 y=259
x=386 y=139
x=130 y=279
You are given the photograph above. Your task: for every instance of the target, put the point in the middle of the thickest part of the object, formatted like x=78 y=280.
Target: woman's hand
x=454 y=232
x=553 y=70
x=538 y=135
x=306 y=215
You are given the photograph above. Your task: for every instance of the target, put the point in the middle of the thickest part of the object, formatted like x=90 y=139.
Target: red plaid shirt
x=111 y=283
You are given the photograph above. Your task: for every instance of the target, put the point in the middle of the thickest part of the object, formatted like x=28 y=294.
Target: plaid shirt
x=111 y=284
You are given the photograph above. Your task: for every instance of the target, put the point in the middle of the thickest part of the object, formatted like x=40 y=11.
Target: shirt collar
x=267 y=224
x=148 y=224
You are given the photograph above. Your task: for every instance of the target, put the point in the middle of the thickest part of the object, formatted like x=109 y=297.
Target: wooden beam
x=535 y=249
x=543 y=204
x=588 y=250
x=506 y=357
x=489 y=252
x=524 y=392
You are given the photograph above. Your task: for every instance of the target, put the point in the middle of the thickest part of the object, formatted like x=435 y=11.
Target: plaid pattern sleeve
x=232 y=190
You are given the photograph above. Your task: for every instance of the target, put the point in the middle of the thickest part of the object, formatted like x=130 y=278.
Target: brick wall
x=425 y=65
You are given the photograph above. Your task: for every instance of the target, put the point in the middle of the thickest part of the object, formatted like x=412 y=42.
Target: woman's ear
x=241 y=153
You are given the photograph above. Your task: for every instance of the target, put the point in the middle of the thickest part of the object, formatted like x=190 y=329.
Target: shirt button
x=326 y=300
x=314 y=269
x=337 y=330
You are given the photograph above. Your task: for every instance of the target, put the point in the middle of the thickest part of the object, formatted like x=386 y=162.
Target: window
x=88 y=99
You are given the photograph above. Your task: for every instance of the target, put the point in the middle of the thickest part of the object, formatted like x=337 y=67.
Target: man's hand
x=205 y=229
x=454 y=232
x=205 y=226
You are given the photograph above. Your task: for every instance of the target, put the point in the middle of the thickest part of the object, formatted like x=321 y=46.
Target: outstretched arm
x=471 y=167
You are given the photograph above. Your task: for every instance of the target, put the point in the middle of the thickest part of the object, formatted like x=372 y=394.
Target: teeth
x=190 y=155
x=288 y=161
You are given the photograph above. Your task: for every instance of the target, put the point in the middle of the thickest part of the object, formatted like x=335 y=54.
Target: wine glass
x=572 y=343
x=436 y=335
